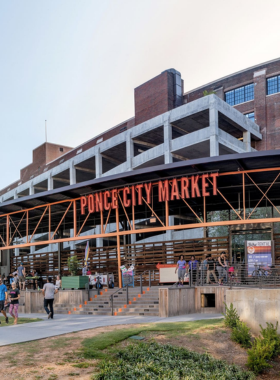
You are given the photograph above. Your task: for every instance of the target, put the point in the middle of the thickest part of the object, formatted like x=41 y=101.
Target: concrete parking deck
x=63 y=324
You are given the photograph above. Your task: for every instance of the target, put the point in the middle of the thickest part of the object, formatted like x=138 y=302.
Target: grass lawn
x=20 y=321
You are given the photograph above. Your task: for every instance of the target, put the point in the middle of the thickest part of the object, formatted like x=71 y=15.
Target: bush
x=241 y=334
x=231 y=316
x=271 y=336
x=145 y=361
x=73 y=265
x=258 y=356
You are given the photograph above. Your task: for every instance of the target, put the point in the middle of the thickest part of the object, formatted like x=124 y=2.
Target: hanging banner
x=259 y=254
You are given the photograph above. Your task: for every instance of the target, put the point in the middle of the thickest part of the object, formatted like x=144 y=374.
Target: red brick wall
x=154 y=97
x=41 y=156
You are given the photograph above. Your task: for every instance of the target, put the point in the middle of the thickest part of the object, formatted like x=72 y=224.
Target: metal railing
x=237 y=275
x=112 y=297
x=141 y=280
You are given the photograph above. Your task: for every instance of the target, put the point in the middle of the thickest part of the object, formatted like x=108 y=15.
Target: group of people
x=210 y=270
x=10 y=287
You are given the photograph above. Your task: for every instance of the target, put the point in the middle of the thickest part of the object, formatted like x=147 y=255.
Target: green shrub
x=241 y=334
x=271 y=336
x=231 y=316
x=145 y=361
x=258 y=356
x=73 y=265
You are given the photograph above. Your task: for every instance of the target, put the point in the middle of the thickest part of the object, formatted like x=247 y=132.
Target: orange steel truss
x=71 y=207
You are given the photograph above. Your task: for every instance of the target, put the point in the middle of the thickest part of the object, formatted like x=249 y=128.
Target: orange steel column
x=166 y=213
x=244 y=208
x=7 y=231
x=75 y=218
x=118 y=247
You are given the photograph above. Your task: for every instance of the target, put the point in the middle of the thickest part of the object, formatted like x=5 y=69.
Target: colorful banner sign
x=259 y=254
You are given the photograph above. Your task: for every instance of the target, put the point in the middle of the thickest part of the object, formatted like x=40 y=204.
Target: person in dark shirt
x=14 y=296
x=193 y=265
x=211 y=266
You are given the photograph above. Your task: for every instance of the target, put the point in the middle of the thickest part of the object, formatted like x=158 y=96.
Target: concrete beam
x=231 y=142
x=190 y=139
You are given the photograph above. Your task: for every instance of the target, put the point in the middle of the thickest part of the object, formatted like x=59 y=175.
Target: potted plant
x=74 y=281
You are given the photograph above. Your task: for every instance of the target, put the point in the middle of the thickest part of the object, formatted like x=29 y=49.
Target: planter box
x=74 y=282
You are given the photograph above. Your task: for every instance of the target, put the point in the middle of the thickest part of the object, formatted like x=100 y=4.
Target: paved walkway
x=63 y=324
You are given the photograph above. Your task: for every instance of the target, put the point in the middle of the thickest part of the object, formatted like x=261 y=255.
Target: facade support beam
x=214 y=131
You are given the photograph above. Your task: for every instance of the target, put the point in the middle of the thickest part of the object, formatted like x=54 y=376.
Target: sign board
x=259 y=254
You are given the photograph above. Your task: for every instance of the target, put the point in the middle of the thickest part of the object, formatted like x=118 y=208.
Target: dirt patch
x=215 y=342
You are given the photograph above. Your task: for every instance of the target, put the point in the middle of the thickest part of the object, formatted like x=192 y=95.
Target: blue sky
x=76 y=62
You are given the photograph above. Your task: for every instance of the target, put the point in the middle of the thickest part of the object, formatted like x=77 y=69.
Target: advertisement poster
x=259 y=254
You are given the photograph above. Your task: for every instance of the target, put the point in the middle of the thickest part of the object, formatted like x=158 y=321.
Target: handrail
x=112 y=298
x=150 y=282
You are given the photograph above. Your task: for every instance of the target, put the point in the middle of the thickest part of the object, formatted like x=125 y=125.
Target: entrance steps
x=139 y=304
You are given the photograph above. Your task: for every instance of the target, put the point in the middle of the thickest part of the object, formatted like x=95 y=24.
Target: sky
x=75 y=63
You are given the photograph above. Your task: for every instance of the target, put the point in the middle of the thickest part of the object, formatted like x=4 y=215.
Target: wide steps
x=140 y=304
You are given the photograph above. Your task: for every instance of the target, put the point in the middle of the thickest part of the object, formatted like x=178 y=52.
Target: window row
x=240 y=95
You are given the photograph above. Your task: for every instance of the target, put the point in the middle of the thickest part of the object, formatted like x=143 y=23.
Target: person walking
x=21 y=275
x=14 y=296
x=49 y=290
x=211 y=269
x=181 y=267
x=3 y=300
x=193 y=264
x=222 y=267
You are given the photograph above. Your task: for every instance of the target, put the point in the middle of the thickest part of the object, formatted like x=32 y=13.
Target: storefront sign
x=168 y=190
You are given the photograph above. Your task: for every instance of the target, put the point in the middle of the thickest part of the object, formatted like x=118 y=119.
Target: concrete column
x=15 y=195
x=98 y=164
x=129 y=151
x=50 y=182
x=214 y=130
x=16 y=251
x=99 y=241
x=169 y=232
x=167 y=138
x=247 y=141
x=31 y=189
x=72 y=173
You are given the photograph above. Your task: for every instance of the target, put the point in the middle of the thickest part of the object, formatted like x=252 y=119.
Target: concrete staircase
x=139 y=304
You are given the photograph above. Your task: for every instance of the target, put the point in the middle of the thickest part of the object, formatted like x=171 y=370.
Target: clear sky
x=77 y=62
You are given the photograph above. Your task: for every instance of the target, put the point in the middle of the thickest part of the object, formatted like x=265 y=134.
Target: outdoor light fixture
x=153 y=219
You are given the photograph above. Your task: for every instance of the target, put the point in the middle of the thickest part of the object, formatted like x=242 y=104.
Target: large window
x=273 y=85
x=250 y=116
x=240 y=95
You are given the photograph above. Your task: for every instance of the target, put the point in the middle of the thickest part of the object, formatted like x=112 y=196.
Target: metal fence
x=236 y=275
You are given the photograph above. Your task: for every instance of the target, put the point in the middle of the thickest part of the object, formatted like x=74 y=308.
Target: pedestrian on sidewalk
x=14 y=296
x=49 y=290
x=21 y=275
x=3 y=300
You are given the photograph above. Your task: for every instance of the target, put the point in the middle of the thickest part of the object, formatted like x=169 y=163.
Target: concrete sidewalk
x=63 y=324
